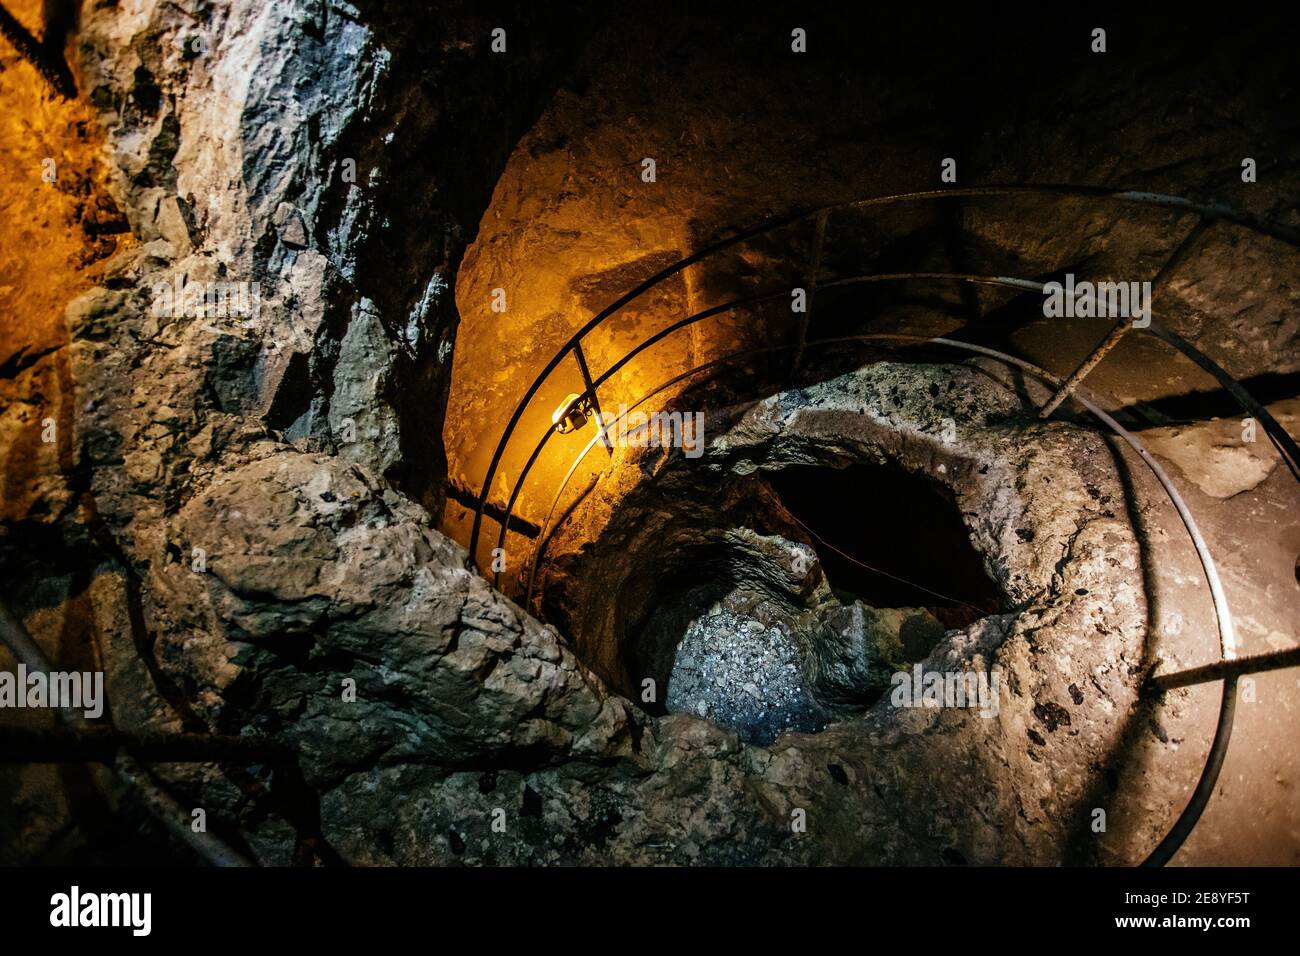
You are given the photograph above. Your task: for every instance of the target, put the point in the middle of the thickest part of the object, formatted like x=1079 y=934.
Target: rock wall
x=321 y=165
x=742 y=131
x=262 y=489
x=1045 y=507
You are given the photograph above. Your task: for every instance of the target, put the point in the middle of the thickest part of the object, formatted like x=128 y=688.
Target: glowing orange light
x=572 y=414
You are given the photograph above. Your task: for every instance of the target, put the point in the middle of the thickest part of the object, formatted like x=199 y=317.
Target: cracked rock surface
x=886 y=783
x=265 y=490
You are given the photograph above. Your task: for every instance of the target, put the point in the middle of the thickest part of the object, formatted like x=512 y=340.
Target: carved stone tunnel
x=861 y=577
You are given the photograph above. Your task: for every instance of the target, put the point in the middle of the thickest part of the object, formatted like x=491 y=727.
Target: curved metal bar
x=1281 y=437
x=1271 y=426
x=1191 y=815
x=600 y=380
x=1227 y=638
x=542 y=537
x=514 y=496
x=1200 y=798
x=1209 y=211
x=1023 y=285
x=1212 y=211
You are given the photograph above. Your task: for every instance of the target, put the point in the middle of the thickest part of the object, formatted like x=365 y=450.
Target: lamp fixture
x=572 y=414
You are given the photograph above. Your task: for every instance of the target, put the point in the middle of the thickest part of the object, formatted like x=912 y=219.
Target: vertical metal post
x=1087 y=365
x=590 y=386
x=1176 y=259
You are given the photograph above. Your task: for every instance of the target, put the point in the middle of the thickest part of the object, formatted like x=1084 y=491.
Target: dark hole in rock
x=800 y=612
x=890 y=539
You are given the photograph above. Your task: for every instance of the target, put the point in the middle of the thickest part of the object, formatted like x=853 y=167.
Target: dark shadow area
x=1198 y=406
x=890 y=539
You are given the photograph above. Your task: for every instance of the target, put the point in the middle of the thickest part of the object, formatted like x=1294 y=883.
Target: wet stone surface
x=743 y=674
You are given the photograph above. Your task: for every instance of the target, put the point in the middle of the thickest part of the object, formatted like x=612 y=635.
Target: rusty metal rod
x=1251 y=664
x=595 y=399
x=158 y=801
x=1175 y=259
x=1087 y=365
x=43 y=56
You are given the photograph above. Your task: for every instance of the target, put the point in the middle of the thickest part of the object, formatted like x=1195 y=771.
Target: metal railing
x=79 y=743
x=1227 y=669
x=1208 y=212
